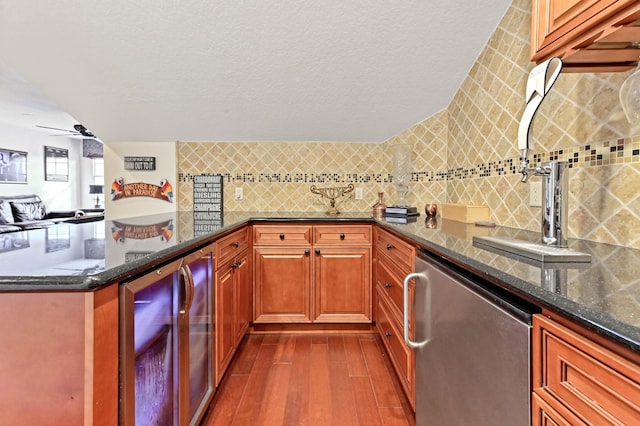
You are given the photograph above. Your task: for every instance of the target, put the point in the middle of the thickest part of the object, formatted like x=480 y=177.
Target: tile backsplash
x=466 y=153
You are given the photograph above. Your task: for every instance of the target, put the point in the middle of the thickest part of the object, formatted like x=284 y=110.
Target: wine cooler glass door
x=200 y=338
x=149 y=375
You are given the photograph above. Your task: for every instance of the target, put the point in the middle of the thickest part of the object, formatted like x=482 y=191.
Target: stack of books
x=395 y=214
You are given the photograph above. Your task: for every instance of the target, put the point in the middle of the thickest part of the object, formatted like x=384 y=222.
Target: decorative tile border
x=620 y=151
x=299 y=177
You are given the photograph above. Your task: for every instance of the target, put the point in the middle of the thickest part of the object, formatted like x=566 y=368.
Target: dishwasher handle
x=405 y=315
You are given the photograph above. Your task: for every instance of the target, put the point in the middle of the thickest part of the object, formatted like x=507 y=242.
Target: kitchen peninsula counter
x=603 y=295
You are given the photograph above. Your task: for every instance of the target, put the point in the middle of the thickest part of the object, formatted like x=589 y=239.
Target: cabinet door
x=244 y=301
x=555 y=18
x=585 y=33
x=282 y=285
x=225 y=323
x=342 y=284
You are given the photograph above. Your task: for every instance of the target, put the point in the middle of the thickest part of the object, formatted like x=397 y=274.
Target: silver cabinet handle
x=410 y=342
x=189 y=289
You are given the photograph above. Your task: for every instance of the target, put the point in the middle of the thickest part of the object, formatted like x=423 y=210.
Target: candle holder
x=332 y=193
x=630 y=98
x=402 y=172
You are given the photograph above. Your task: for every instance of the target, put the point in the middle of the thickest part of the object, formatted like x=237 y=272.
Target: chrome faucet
x=554 y=200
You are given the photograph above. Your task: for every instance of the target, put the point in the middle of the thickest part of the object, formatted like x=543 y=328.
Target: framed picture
x=56 y=164
x=13 y=166
x=14 y=241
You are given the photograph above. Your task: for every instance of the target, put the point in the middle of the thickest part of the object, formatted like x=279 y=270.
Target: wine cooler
x=167 y=343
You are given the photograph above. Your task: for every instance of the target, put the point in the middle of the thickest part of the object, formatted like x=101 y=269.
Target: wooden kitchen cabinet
x=224 y=313
x=588 y=35
x=232 y=297
x=578 y=381
x=318 y=274
x=282 y=273
x=342 y=266
x=282 y=288
x=243 y=297
x=395 y=259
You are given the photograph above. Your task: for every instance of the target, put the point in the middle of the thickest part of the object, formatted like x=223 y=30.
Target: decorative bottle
x=380 y=207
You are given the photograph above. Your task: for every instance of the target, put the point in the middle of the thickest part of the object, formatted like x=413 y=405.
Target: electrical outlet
x=239 y=194
x=359 y=194
x=535 y=193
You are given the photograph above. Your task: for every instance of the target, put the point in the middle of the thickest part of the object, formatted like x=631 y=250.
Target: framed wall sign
x=207 y=204
x=140 y=163
x=56 y=164
x=13 y=166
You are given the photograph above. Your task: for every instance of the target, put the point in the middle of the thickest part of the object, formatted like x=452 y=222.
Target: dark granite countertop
x=603 y=295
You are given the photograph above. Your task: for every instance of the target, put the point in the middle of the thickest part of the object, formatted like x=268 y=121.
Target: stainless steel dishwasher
x=472 y=350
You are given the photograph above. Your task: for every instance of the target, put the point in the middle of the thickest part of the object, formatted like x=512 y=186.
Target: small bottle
x=380 y=207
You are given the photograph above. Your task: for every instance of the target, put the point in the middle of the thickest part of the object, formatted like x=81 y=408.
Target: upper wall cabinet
x=589 y=35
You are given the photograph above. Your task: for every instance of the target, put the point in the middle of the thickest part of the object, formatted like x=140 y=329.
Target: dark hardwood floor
x=333 y=379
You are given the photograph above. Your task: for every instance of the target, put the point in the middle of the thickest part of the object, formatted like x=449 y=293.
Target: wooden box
x=465 y=213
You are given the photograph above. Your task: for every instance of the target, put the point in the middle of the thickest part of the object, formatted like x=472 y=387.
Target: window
x=56 y=164
x=98 y=171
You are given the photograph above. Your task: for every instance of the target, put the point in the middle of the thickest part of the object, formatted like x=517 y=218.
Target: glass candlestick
x=630 y=97
x=402 y=172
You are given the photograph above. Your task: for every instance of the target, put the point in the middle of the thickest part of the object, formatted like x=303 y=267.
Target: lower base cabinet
x=312 y=274
x=578 y=381
x=282 y=285
x=395 y=259
x=233 y=301
x=342 y=285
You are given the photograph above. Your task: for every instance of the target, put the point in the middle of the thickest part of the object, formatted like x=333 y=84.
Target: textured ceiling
x=254 y=70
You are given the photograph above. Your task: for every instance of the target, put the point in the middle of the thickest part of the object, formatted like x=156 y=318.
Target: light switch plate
x=535 y=193
x=358 y=193
x=239 y=194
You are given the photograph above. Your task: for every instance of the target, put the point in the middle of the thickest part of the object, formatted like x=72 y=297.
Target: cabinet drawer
x=360 y=234
x=401 y=355
x=546 y=414
x=596 y=384
x=390 y=283
x=231 y=245
x=396 y=250
x=281 y=235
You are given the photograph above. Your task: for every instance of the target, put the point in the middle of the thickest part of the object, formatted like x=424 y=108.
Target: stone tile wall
x=464 y=154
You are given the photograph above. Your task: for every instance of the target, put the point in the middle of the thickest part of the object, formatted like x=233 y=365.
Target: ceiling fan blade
x=80 y=130
x=54 y=128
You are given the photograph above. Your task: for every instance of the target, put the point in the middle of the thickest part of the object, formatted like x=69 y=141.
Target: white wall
x=114 y=153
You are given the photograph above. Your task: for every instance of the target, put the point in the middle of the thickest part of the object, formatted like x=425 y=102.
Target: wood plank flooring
x=334 y=379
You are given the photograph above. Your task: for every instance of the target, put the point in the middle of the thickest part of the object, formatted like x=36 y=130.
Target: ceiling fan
x=79 y=130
